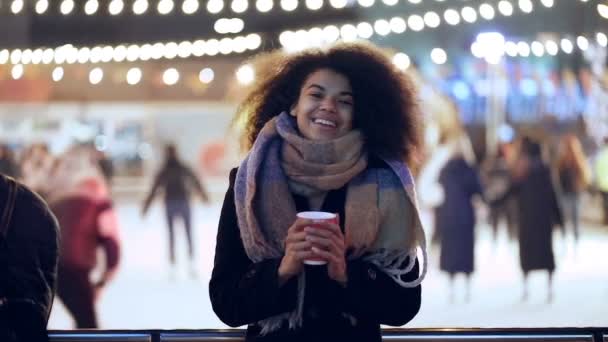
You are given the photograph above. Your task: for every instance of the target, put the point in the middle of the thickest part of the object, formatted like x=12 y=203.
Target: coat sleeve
x=33 y=251
x=241 y=291
x=374 y=296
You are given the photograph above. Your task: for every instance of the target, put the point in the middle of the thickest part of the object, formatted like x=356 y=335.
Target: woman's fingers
x=330 y=257
x=325 y=234
x=300 y=246
x=324 y=243
x=295 y=237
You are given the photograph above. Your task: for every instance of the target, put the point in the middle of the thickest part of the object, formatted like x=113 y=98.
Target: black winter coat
x=28 y=266
x=455 y=217
x=539 y=212
x=243 y=292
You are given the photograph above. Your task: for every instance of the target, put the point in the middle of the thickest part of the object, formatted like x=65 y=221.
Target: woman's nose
x=328 y=104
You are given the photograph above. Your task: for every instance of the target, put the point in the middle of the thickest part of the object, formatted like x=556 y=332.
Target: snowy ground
x=145 y=295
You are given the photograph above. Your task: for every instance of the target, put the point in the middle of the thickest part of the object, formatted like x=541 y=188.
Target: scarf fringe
x=294 y=318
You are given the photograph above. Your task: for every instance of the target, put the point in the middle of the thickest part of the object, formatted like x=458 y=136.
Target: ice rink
x=146 y=295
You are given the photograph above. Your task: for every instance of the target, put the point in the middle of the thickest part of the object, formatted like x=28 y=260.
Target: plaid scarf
x=282 y=162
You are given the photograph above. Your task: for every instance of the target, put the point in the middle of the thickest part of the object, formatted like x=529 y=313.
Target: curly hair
x=386 y=107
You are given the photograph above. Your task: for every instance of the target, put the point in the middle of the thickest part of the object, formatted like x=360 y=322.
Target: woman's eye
x=346 y=102
x=316 y=95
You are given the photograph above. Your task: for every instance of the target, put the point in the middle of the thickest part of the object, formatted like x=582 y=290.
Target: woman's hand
x=297 y=248
x=328 y=243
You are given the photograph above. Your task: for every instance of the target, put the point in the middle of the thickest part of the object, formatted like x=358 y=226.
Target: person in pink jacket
x=81 y=201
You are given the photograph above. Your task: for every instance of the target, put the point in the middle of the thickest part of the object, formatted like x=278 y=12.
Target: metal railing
x=395 y=335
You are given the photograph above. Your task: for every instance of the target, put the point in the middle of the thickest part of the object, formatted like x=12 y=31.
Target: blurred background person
x=601 y=173
x=497 y=180
x=79 y=197
x=8 y=164
x=36 y=165
x=455 y=216
x=538 y=212
x=573 y=175
x=176 y=180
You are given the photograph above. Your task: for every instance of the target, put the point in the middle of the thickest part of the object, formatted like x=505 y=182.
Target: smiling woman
x=335 y=131
x=324 y=109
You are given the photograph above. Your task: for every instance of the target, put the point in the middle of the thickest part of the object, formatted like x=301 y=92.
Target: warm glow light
x=602 y=9
x=171 y=76
x=290 y=5
x=67 y=6
x=17 y=71
x=314 y=4
x=57 y=74
x=245 y=74
x=401 y=61
x=526 y=6
x=91 y=7
x=165 y=6
x=537 y=49
x=505 y=8
x=567 y=45
x=438 y=56
x=206 y=75
x=116 y=6
x=215 y=6
x=140 y=6
x=190 y=6
x=431 y=19
x=17 y=6
x=95 y=76
x=382 y=27
x=451 y=16
x=338 y=3
x=239 y=6
x=415 y=22
x=397 y=25
x=4 y=56
x=582 y=43
x=42 y=6
x=601 y=38
x=133 y=76
x=264 y=5
x=468 y=14
x=486 y=11
x=551 y=47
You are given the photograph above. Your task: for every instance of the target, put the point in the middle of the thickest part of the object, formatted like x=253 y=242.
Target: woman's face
x=325 y=107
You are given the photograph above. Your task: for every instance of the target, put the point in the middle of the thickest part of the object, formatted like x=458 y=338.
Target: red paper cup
x=317 y=216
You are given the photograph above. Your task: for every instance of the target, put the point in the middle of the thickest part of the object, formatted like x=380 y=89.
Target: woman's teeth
x=325 y=122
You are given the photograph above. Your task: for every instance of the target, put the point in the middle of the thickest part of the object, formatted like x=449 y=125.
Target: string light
x=245 y=74
x=165 y=7
x=401 y=61
x=602 y=9
x=140 y=7
x=505 y=8
x=17 y=71
x=42 y=6
x=96 y=76
x=206 y=75
x=190 y=6
x=91 y=7
x=104 y=54
x=438 y=56
x=17 y=6
x=57 y=74
x=115 y=7
x=134 y=76
x=171 y=76
x=66 y=7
